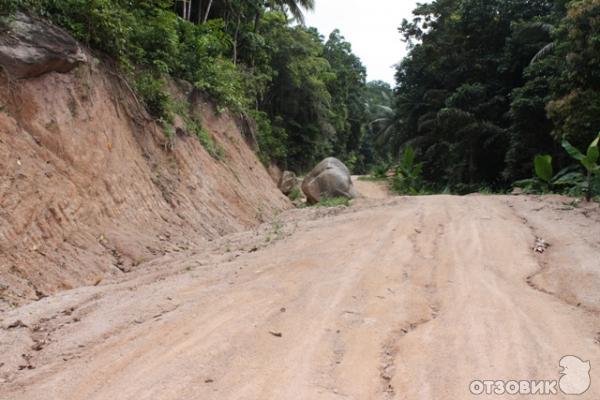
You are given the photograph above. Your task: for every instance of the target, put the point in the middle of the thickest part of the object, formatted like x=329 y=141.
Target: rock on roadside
x=30 y=47
x=329 y=179
x=288 y=182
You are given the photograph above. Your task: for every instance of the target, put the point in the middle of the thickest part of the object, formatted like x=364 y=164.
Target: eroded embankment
x=90 y=186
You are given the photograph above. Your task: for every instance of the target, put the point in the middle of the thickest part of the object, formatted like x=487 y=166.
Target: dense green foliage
x=380 y=135
x=568 y=180
x=490 y=93
x=589 y=160
x=304 y=91
x=408 y=174
x=490 y=84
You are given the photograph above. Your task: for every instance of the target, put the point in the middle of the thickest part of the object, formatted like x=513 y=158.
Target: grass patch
x=295 y=194
x=334 y=202
x=371 y=178
x=276 y=232
x=210 y=145
x=193 y=127
x=487 y=191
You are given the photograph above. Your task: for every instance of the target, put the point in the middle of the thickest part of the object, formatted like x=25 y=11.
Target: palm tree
x=548 y=48
x=204 y=8
x=295 y=7
x=210 y=2
x=386 y=128
x=384 y=124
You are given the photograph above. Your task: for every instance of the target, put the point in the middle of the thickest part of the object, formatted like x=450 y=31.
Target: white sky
x=372 y=28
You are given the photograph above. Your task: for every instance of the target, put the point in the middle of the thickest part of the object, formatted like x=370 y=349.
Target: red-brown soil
x=91 y=188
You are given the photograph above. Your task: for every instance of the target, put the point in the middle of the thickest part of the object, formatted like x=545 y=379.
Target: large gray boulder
x=31 y=47
x=329 y=179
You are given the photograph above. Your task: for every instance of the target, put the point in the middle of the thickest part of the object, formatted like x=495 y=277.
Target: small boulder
x=275 y=173
x=288 y=182
x=31 y=47
x=329 y=179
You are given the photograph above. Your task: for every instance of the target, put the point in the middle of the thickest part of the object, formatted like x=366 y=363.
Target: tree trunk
x=199 y=16
x=256 y=21
x=207 y=11
x=471 y=167
x=588 y=193
x=235 y=39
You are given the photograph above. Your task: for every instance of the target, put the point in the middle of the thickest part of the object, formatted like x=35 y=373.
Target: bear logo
x=575 y=375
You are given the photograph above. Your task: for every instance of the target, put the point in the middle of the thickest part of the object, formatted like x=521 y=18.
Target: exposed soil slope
x=90 y=187
x=403 y=298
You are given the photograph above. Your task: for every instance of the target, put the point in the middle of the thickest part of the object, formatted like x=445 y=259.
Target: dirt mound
x=91 y=187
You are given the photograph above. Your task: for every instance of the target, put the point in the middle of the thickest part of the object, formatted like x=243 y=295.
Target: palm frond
x=385 y=135
x=385 y=109
x=547 y=49
x=295 y=8
x=544 y=26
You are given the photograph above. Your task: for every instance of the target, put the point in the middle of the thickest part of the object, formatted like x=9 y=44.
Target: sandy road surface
x=397 y=298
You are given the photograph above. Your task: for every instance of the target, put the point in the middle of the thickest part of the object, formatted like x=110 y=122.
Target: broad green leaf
x=573 y=152
x=418 y=169
x=593 y=152
x=588 y=164
x=543 y=167
x=524 y=182
x=409 y=157
x=566 y=171
x=572 y=178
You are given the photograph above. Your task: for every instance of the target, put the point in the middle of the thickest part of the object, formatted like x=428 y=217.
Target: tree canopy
x=488 y=84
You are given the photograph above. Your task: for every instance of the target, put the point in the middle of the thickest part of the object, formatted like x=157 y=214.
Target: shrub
x=589 y=162
x=194 y=127
x=151 y=87
x=334 y=202
x=569 y=180
x=155 y=42
x=545 y=181
x=9 y=7
x=202 y=62
x=271 y=138
x=408 y=178
x=295 y=194
x=149 y=35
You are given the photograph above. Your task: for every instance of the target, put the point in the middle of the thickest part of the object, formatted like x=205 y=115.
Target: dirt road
x=393 y=298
